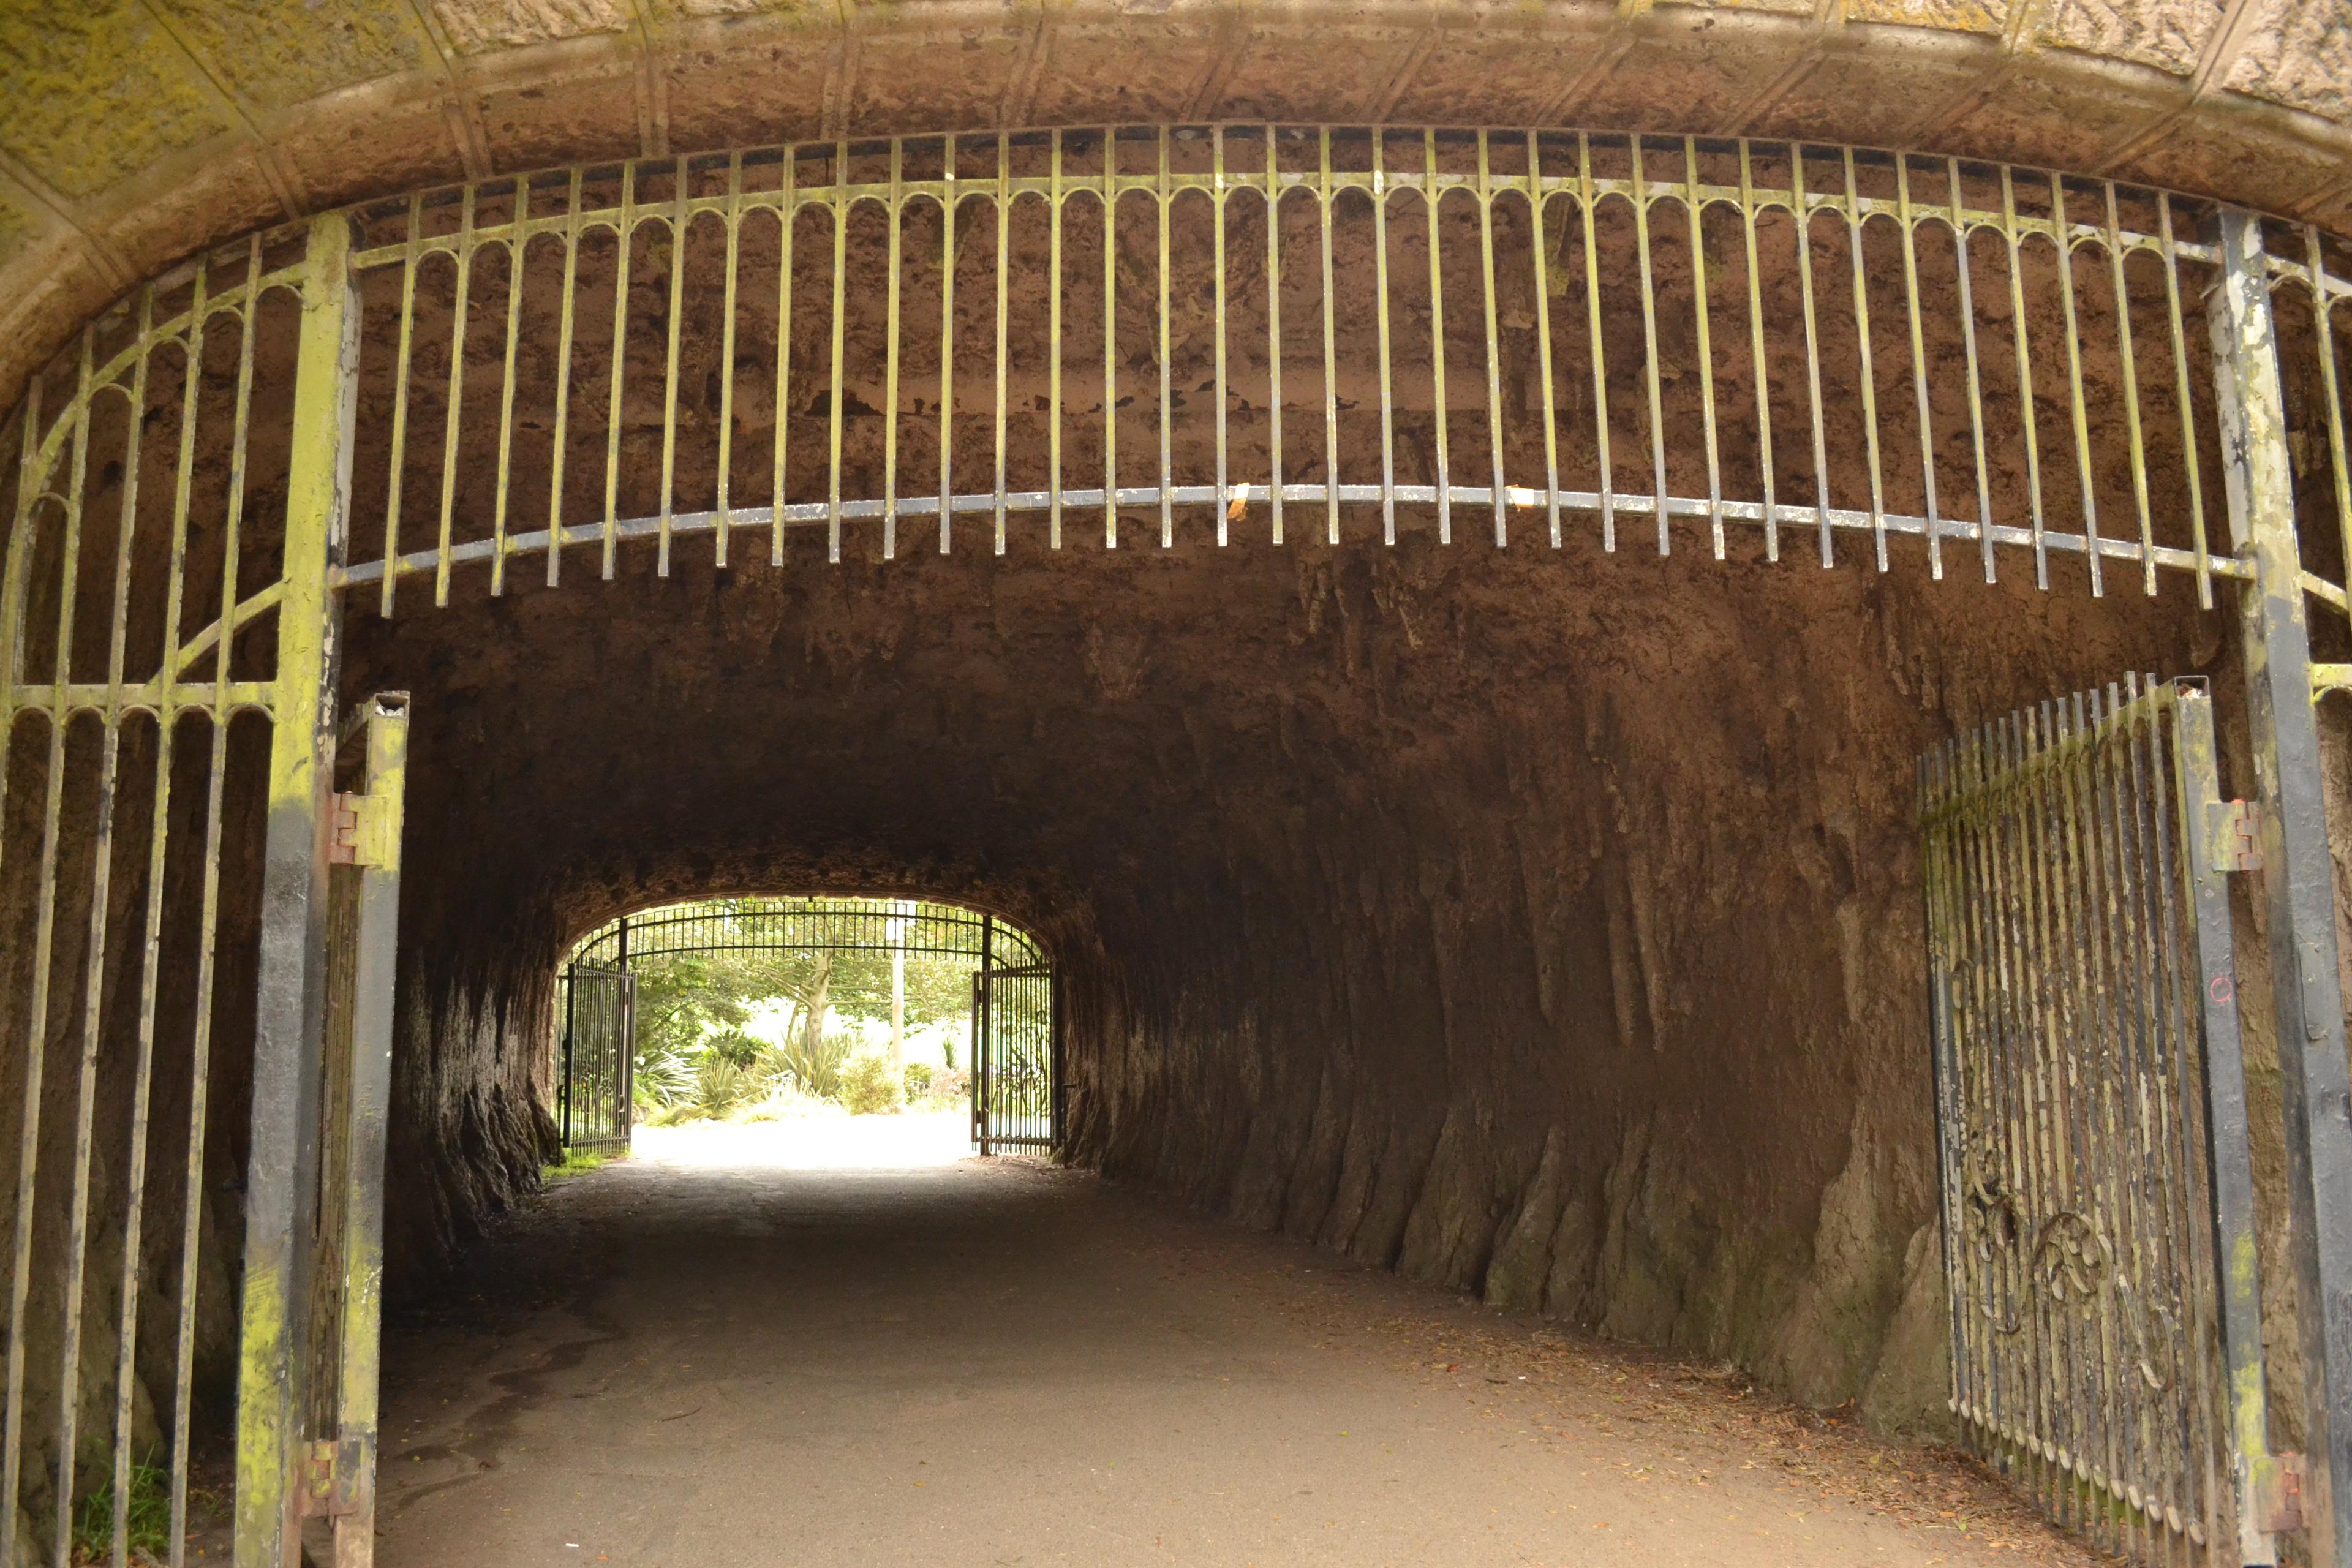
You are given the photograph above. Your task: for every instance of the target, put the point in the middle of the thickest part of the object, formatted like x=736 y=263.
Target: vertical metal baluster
x=949 y=203
x=1053 y=200
x=1908 y=220
x=1431 y=190
x=2189 y=460
x=1750 y=210
x=151 y=942
x=895 y=262
x=840 y=206
x=1380 y=304
x=2041 y=1187
x=94 y=974
x=2075 y=1024
x=411 y=255
x=1002 y=207
x=787 y=210
x=1608 y=485
x=1217 y=249
x=2015 y=1365
x=1160 y=198
x=2082 y=418
x=1868 y=382
x=453 y=417
x=1800 y=208
x=1273 y=334
x=1110 y=337
x=563 y=398
x=176 y=582
x=1649 y=347
x=625 y=232
x=2098 y=1049
x=2130 y=371
x=1989 y=924
x=680 y=222
x=1323 y=199
x=2322 y=326
x=2141 y=1470
x=734 y=221
x=1964 y=267
x=1493 y=352
x=1695 y=206
x=2232 y=1265
x=514 y=250
x=2019 y=335
x=44 y=938
x=1537 y=228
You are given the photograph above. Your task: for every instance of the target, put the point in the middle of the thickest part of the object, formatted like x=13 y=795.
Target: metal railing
x=1215 y=323
x=810 y=923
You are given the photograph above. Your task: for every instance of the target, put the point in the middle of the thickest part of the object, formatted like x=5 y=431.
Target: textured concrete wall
x=133 y=131
x=1543 y=926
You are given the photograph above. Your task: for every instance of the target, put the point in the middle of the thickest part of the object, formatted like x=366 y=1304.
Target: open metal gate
x=598 y=1080
x=1015 y=1059
x=2097 y=1184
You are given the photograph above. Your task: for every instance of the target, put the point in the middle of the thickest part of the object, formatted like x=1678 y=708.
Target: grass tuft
x=148 y=1517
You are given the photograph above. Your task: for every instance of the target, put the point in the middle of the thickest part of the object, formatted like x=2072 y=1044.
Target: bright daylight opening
x=811 y=1032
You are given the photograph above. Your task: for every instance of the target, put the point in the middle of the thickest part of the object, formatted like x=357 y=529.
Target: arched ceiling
x=131 y=131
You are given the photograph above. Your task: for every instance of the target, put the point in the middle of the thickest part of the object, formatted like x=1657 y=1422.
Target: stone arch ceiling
x=131 y=131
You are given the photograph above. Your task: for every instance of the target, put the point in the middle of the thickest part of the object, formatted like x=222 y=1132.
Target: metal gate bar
x=1016 y=1080
x=2097 y=1184
x=1207 y=324
x=594 y=1107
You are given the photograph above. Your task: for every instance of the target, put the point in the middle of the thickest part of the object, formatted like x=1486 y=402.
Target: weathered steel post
x=282 y=1170
x=2314 y=1077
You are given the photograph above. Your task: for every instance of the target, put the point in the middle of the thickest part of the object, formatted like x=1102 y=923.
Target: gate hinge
x=362 y=832
x=2232 y=829
x=2274 y=1492
x=336 y=1476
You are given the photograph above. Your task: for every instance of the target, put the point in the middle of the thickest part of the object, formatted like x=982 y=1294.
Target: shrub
x=815 y=1069
x=918 y=1079
x=869 y=1085
x=721 y=1083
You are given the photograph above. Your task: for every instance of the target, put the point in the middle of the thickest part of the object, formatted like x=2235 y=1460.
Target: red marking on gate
x=2220 y=988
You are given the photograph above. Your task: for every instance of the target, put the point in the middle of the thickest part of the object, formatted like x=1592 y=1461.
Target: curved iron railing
x=808 y=923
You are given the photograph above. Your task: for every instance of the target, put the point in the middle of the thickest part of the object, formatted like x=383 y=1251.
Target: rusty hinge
x=361 y=832
x=2232 y=830
x=2277 y=1493
x=337 y=1476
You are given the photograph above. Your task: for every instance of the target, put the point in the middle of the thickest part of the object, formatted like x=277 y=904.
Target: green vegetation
x=754 y=1036
x=575 y=1162
x=148 y=1517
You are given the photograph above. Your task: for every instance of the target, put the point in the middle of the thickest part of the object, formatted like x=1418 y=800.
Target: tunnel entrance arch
x=1202 y=333
x=1014 y=1061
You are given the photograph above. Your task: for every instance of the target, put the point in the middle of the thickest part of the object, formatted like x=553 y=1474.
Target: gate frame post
x=289 y=1021
x=2315 y=1075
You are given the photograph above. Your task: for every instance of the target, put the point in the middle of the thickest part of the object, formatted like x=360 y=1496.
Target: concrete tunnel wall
x=1543 y=926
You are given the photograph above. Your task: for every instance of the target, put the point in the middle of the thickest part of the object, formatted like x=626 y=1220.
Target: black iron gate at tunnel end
x=1016 y=1094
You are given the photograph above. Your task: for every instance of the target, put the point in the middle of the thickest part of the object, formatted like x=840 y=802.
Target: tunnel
x=1448 y=639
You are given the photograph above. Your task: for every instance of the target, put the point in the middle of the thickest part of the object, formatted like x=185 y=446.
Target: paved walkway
x=716 y=1354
